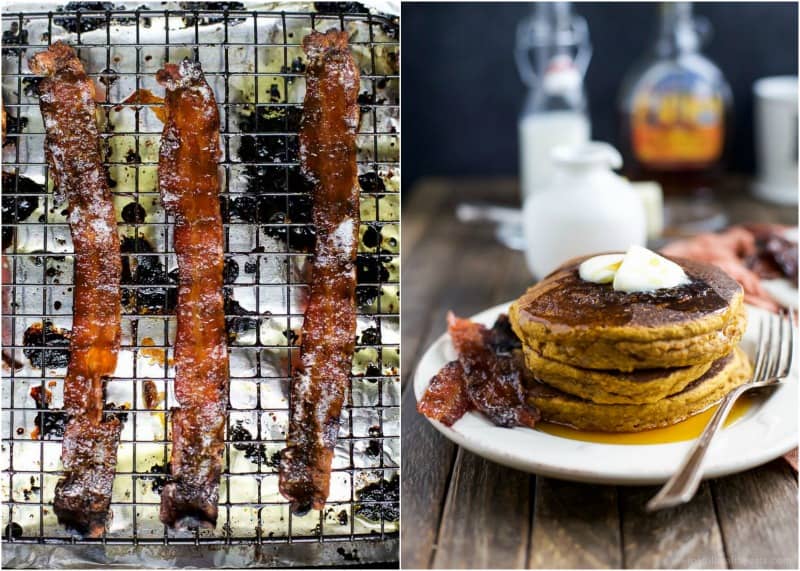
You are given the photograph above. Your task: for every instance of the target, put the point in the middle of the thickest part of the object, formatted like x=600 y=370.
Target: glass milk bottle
x=552 y=53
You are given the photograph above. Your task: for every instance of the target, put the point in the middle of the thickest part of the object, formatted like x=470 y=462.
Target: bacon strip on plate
x=72 y=148
x=446 y=399
x=328 y=160
x=489 y=376
x=188 y=180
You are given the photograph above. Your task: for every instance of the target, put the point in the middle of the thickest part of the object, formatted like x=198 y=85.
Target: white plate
x=766 y=431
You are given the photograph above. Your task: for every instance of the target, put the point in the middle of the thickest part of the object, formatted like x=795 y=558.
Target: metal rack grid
x=37 y=277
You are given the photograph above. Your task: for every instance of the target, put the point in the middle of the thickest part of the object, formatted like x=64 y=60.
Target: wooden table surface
x=460 y=510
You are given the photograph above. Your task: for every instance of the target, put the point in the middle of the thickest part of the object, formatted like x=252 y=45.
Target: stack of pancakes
x=623 y=362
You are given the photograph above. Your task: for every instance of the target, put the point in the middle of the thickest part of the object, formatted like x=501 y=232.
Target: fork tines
x=775 y=346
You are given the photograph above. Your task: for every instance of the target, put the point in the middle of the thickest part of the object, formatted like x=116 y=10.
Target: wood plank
x=422 y=287
x=459 y=270
x=427 y=461
x=427 y=464
x=575 y=526
x=422 y=210
x=686 y=537
x=757 y=512
x=516 y=277
x=486 y=520
x=485 y=525
x=467 y=288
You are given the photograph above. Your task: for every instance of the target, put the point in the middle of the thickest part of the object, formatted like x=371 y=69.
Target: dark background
x=462 y=94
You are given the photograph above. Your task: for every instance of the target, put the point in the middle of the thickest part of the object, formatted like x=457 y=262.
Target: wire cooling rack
x=254 y=62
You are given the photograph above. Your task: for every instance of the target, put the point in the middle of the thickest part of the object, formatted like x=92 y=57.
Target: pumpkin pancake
x=592 y=326
x=724 y=375
x=613 y=387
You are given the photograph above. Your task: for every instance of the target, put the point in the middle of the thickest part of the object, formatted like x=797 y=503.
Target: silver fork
x=772 y=363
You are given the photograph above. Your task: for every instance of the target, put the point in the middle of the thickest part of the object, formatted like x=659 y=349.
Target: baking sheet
x=261 y=55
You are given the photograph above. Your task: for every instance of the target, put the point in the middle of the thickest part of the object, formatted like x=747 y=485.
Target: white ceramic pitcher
x=586 y=209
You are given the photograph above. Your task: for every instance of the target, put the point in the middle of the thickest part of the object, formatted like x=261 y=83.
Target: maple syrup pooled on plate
x=687 y=429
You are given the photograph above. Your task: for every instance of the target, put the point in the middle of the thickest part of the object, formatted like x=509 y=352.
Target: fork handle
x=682 y=486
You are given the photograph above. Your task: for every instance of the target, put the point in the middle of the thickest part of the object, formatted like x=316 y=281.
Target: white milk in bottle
x=553 y=52
x=539 y=134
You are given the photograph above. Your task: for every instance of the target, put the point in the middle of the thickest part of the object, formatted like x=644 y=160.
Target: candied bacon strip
x=493 y=382
x=488 y=376
x=446 y=398
x=188 y=180
x=72 y=148
x=328 y=160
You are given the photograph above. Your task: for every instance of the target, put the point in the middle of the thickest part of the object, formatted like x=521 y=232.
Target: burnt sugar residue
x=202 y=19
x=370 y=336
x=371 y=182
x=160 y=478
x=371 y=237
x=15 y=35
x=238 y=320
x=366 y=295
x=32 y=490
x=108 y=77
x=374 y=447
x=48 y=425
x=13 y=531
x=20 y=200
x=46 y=346
x=243 y=441
x=340 y=7
x=277 y=197
x=157 y=292
x=563 y=298
x=156 y=355
x=230 y=271
x=41 y=396
x=133 y=213
x=118 y=411
x=386 y=494
x=86 y=22
x=15 y=125
x=263 y=147
x=370 y=268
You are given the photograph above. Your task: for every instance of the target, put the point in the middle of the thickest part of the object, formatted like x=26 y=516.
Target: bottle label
x=678 y=122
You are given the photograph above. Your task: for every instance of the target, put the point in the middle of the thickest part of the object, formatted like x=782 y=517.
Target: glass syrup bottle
x=675 y=106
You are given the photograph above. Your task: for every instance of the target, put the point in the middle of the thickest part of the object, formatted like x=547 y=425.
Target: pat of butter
x=600 y=269
x=639 y=269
